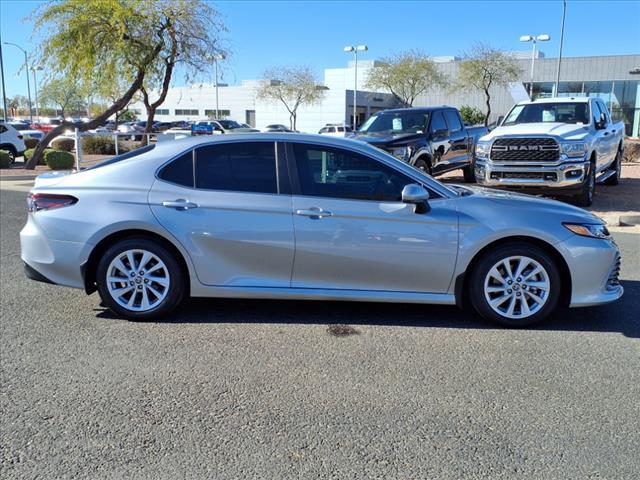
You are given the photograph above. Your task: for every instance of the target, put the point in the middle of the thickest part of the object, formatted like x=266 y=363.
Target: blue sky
x=267 y=33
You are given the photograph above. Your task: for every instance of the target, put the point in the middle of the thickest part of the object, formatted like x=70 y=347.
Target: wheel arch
x=461 y=287
x=90 y=267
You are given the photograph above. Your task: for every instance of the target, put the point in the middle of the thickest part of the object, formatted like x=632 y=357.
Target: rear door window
x=453 y=121
x=437 y=122
x=179 y=171
x=237 y=167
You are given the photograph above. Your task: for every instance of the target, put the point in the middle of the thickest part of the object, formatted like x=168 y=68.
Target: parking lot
x=264 y=389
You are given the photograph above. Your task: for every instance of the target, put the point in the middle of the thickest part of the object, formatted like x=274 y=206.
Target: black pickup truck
x=433 y=139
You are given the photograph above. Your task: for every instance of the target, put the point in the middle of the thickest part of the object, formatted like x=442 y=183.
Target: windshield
x=229 y=124
x=577 y=113
x=396 y=122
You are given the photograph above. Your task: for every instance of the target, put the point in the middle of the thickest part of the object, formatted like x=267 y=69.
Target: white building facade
x=240 y=102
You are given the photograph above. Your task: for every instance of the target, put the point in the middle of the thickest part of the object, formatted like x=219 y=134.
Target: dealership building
x=615 y=79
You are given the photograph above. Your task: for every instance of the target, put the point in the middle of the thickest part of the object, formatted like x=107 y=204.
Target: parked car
x=277 y=128
x=335 y=130
x=133 y=129
x=26 y=130
x=11 y=141
x=161 y=126
x=211 y=127
x=46 y=125
x=432 y=139
x=330 y=219
x=558 y=146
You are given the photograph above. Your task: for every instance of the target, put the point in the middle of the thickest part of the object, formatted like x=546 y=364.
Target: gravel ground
x=266 y=389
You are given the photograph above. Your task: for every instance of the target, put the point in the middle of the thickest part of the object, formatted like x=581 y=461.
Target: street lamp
x=355 y=50
x=531 y=38
x=35 y=87
x=26 y=67
x=216 y=59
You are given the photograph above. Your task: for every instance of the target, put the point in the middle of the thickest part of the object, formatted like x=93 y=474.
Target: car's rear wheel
x=424 y=165
x=140 y=279
x=515 y=285
x=11 y=151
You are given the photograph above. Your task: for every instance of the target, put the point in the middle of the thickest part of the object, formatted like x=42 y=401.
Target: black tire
x=617 y=168
x=481 y=269
x=469 y=172
x=588 y=191
x=424 y=165
x=10 y=149
x=175 y=291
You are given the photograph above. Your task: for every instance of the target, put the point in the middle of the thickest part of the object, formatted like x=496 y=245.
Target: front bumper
x=594 y=265
x=563 y=175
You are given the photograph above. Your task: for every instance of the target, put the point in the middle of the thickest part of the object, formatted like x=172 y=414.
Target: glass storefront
x=621 y=96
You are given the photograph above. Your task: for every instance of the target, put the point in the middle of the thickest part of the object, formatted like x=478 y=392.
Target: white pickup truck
x=555 y=146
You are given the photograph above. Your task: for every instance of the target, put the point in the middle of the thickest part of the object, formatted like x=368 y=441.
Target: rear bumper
x=565 y=176
x=52 y=261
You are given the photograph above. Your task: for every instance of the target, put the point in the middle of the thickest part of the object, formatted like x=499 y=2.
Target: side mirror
x=601 y=124
x=417 y=195
x=442 y=133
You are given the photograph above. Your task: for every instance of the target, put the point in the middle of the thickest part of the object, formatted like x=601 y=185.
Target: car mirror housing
x=416 y=195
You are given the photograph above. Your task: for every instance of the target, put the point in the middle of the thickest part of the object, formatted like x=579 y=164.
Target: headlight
x=588 y=230
x=574 y=149
x=482 y=149
x=400 y=153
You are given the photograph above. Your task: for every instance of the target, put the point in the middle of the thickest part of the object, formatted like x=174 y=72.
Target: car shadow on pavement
x=622 y=316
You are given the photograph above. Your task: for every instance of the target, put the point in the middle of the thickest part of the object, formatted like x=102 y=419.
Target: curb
x=6 y=178
x=629 y=220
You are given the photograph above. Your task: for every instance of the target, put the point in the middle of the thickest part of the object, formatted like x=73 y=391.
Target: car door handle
x=315 y=213
x=179 y=204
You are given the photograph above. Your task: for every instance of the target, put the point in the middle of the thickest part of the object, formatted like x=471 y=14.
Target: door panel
x=234 y=239
x=367 y=245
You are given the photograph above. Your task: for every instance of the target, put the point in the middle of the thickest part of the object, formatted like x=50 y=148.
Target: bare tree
x=406 y=75
x=192 y=41
x=293 y=87
x=485 y=67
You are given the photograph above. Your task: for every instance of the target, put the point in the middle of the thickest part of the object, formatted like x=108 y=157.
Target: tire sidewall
x=176 y=287
x=481 y=269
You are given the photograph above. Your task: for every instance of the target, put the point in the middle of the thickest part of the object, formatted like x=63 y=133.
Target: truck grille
x=525 y=150
x=614 y=280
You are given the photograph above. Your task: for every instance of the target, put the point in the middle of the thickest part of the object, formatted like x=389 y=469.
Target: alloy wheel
x=517 y=287
x=138 y=280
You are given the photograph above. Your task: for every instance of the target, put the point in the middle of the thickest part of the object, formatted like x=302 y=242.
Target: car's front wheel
x=140 y=279
x=515 y=285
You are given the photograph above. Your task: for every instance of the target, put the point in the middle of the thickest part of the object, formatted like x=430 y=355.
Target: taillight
x=48 y=201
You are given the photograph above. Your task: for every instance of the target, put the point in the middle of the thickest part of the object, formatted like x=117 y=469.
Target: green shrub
x=5 y=159
x=31 y=142
x=29 y=153
x=59 y=160
x=64 y=144
x=102 y=145
x=471 y=115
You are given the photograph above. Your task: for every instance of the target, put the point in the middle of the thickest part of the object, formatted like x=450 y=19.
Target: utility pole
x=355 y=50
x=4 y=90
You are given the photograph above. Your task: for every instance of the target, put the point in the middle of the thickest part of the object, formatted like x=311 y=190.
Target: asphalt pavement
x=234 y=389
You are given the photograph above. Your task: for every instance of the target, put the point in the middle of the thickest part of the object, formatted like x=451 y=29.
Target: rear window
x=124 y=156
x=237 y=167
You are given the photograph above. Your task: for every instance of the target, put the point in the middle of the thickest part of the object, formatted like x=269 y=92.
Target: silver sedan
x=294 y=216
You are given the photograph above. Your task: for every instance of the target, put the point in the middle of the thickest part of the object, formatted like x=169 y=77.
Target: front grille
x=525 y=150
x=614 y=276
x=525 y=175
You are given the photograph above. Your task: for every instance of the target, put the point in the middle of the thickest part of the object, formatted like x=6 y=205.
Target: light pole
x=531 y=38
x=35 y=88
x=4 y=91
x=26 y=68
x=564 y=12
x=355 y=50
x=217 y=58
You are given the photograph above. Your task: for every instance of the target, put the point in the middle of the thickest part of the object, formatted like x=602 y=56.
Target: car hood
x=564 y=131
x=529 y=205
x=387 y=139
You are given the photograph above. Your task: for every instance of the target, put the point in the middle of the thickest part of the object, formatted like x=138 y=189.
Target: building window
x=162 y=111
x=187 y=111
x=221 y=113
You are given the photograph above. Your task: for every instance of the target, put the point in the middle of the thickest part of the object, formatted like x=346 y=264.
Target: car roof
x=557 y=100
x=416 y=109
